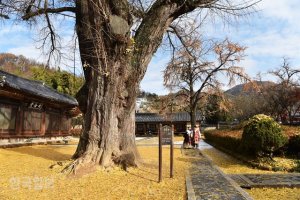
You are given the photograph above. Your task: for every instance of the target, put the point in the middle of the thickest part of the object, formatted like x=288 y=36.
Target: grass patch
x=229 y=164
x=275 y=193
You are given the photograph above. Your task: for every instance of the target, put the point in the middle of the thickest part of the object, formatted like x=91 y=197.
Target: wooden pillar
x=147 y=128
x=43 y=127
x=19 y=120
x=144 y=128
x=172 y=153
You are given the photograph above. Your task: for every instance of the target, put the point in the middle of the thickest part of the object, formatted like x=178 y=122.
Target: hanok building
x=30 y=109
x=146 y=123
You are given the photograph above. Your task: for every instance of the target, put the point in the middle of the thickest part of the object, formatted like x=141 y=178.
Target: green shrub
x=294 y=144
x=262 y=136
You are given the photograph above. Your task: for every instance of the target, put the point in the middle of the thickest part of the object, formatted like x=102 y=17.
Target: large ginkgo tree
x=116 y=39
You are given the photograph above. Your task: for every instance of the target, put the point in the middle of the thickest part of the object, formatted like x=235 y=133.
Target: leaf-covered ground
x=25 y=174
x=230 y=165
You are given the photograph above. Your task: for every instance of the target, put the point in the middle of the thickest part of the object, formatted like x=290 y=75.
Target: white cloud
x=250 y=67
x=153 y=80
x=274 y=44
x=269 y=35
x=29 y=51
x=285 y=10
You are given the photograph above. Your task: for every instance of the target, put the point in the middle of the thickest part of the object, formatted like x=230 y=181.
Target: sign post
x=172 y=153
x=166 y=138
x=160 y=154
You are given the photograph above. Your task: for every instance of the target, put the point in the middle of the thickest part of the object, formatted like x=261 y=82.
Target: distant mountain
x=248 y=88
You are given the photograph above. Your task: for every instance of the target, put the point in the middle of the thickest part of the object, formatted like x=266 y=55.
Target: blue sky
x=269 y=35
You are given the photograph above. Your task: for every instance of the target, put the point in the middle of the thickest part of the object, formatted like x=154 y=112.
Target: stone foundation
x=16 y=142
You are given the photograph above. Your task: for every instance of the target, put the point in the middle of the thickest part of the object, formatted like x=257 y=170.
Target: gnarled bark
x=114 y=64
x=112 y=78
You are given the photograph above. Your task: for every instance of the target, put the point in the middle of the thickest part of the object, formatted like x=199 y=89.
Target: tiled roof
x=35 y=88
x=174 y=117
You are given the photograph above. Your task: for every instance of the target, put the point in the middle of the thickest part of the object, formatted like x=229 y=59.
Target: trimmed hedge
x=294 y=144
x=227 y=142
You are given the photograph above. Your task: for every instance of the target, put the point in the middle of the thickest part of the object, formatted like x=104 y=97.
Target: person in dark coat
x=186 y=140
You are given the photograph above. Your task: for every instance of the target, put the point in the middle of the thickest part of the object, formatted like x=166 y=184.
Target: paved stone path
x=207 y=181
x=267 y=180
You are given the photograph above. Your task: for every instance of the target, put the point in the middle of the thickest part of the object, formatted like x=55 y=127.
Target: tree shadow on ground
x=45 y=152
x=142 y=177
x=146 y=171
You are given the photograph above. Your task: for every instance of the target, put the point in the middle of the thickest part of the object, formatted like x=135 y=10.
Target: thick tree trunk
x=112 y=78
x=108 y=131
x=193 y=103
x=193 y=117
x=108 y=97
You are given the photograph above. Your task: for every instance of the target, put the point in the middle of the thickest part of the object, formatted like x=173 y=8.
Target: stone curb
x=189 y=187
x=245 y=182
x=14 y=145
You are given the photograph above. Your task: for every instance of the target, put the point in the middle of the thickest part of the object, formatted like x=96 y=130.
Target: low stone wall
x=16 y=142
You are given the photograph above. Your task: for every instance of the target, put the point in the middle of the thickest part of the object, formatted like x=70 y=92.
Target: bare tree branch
x=192 y=73
x=4 y=16
x=29 y=15
x=51 y=32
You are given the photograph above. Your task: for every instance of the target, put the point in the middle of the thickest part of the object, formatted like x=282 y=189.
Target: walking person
x=196 y=137
x=186 y=140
